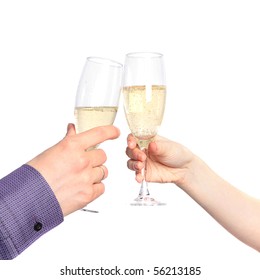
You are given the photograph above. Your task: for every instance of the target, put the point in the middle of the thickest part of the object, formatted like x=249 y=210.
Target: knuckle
x=86 y=161
x=87 y=195
x=85 y=198
x=91 y=193
x=83 y=162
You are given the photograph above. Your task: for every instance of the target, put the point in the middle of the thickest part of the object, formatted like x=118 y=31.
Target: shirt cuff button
x=37 y=226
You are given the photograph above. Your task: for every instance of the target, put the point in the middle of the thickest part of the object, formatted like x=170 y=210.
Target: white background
x=212 y=61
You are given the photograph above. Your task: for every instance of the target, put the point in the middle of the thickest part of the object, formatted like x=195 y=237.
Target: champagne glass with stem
x=97 y=95
x=144 y=92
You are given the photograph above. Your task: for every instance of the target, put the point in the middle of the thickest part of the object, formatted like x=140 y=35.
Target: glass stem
x=144 y=192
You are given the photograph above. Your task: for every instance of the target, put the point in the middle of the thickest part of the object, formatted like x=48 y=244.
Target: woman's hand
x=167 y=161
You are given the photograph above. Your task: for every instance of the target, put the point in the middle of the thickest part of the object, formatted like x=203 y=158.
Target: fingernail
x=130 y=144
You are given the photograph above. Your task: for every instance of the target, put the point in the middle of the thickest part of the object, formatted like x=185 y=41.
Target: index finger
x=135 y=154
x=98 y=135
x=131 y=141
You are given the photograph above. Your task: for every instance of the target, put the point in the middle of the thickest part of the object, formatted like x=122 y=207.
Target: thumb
x=71 y=129
x=160 y=147
x=169 y=153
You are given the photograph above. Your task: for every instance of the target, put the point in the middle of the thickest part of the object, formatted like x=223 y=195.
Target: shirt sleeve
x=28 y=209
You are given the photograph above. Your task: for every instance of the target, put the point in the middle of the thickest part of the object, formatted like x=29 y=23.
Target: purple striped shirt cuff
x=28 y=209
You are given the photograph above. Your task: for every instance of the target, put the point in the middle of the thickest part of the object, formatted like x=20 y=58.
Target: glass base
x=88 y=210
x=146 y=201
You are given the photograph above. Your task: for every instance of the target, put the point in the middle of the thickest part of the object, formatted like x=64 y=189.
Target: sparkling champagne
x=90 y=117
x=144 y=108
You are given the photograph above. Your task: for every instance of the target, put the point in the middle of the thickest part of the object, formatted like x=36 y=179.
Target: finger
x=161 y=147
x=96 y=157
x=135 y=165
x=98 y=189
x=98 y=135
x=99 y=174
x=136 y=154
x=139 y=177
x=153 y=148
x=131 y=141
x=71 y=129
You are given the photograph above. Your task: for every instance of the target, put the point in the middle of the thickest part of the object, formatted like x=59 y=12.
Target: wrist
x=194 y=172
x=199 y=178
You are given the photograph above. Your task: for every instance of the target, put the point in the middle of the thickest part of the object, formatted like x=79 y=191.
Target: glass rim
x=105 y=61
x=144 y=55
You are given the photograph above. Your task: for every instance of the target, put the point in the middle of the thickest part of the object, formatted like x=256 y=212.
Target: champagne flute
x=97 y=95
x=144 y=91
